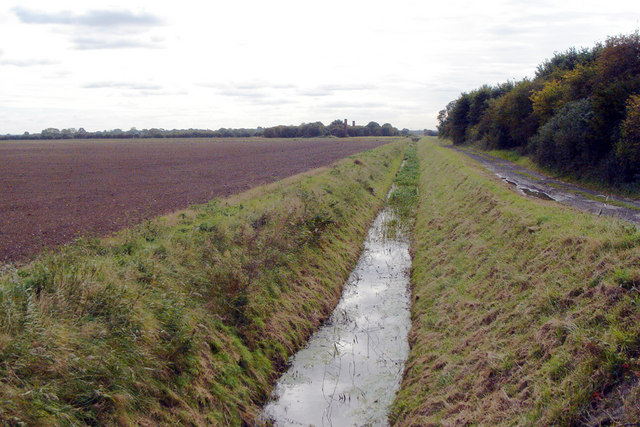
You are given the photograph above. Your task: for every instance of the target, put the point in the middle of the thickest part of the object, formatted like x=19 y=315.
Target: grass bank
x=524 y=311
x=188 y=318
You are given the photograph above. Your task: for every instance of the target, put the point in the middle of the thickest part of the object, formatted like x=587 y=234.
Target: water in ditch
x=350 y=371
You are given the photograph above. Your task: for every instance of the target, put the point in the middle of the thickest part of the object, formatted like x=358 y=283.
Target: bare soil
x=54 y=192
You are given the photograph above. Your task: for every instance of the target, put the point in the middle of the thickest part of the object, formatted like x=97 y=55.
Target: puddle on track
x=351 y=368
x=524 y=189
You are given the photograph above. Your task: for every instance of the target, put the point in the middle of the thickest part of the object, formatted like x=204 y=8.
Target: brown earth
x=54 y=192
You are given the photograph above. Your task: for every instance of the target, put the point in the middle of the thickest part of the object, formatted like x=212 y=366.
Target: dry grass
x=185 y=319
x=524 y=312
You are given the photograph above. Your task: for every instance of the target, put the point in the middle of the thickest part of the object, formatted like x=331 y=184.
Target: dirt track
x=53 y=192
x=535 y=184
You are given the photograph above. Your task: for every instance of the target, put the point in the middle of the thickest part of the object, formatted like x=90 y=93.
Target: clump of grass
x=404 y=196
x=186 y=319
x=533 y=306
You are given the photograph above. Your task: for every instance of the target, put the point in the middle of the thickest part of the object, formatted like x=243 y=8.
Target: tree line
x=579 y=115
x=304 y=130
x=335 y=128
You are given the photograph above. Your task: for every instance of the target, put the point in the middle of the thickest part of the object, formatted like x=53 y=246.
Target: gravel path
x=535 y=184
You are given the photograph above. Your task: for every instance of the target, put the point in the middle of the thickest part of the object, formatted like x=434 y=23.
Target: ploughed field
x=53 y=192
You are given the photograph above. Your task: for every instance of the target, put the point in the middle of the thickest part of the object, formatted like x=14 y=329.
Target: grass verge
x=524 y=312
x=186 y=319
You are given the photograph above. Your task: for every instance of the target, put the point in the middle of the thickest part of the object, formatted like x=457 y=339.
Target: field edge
x=187 y=318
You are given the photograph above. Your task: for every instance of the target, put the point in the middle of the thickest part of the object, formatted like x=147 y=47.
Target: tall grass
x=185 y=319
x=524 y=312
x=405 y=193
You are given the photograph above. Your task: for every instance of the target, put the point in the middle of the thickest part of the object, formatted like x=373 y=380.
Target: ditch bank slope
x=524 y=312
x=185 y=319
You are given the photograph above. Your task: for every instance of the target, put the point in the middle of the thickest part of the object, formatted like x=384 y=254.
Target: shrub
x=566 y=141
x=628 y=147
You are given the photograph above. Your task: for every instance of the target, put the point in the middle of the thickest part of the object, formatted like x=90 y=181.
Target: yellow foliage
x=548 y=99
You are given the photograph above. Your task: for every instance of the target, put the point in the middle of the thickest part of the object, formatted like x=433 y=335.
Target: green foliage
x=509 y=119
x=563 y=62
x=548 y=100
x=526 y=115
x=405 y=193
x=457 y=120
x=335 y=128
x=628 y=147
x=564 y=142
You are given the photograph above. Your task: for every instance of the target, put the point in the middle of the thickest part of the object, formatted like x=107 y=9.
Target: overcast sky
x=248 y=63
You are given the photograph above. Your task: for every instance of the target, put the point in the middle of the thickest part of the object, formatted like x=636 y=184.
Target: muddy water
x=351 y=369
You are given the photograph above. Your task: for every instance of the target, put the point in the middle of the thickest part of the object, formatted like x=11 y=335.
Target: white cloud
x=27 y=62
x=251 y=63
x=122 y=85
x=91 y=18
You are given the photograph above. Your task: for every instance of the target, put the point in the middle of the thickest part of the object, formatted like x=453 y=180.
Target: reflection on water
x=351 y=369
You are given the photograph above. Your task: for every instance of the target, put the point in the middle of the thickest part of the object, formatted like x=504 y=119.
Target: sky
x=244 y=63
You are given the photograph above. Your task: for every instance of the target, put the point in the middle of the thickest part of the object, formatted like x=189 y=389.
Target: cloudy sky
x=248 y=63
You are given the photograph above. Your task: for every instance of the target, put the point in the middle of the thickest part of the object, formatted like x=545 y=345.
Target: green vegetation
x=304 y=130
x=188 y=318
x=579 y=116
x=405 y=193
x=519 y=159
x=335 y=128
x=524 y=312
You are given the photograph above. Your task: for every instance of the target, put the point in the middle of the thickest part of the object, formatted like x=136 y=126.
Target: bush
x=628 y=147
x=566 y=141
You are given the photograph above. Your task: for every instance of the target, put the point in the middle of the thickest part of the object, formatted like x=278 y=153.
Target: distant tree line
x=72 y=133
x=579 y=115
x=305 y=130
x=336 y=128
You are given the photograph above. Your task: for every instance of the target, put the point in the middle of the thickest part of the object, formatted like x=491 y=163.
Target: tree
x=388 y=130
x=619 y=58
x=547 y=100
x=50 y=133
x=628 y=147
x=566 y=61
x=373 y=129
x=509 y=121
x=336 y=128
x=566 y=142
x=459 y=119
x=311 y=130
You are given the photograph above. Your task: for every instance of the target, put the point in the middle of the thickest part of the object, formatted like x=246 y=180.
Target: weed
x=625 y=278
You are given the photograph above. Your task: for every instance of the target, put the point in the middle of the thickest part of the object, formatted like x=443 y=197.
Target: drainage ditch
x=351 y=368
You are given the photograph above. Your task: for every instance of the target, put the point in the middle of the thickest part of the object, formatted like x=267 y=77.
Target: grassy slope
x=524 y=311
x=188 y=318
